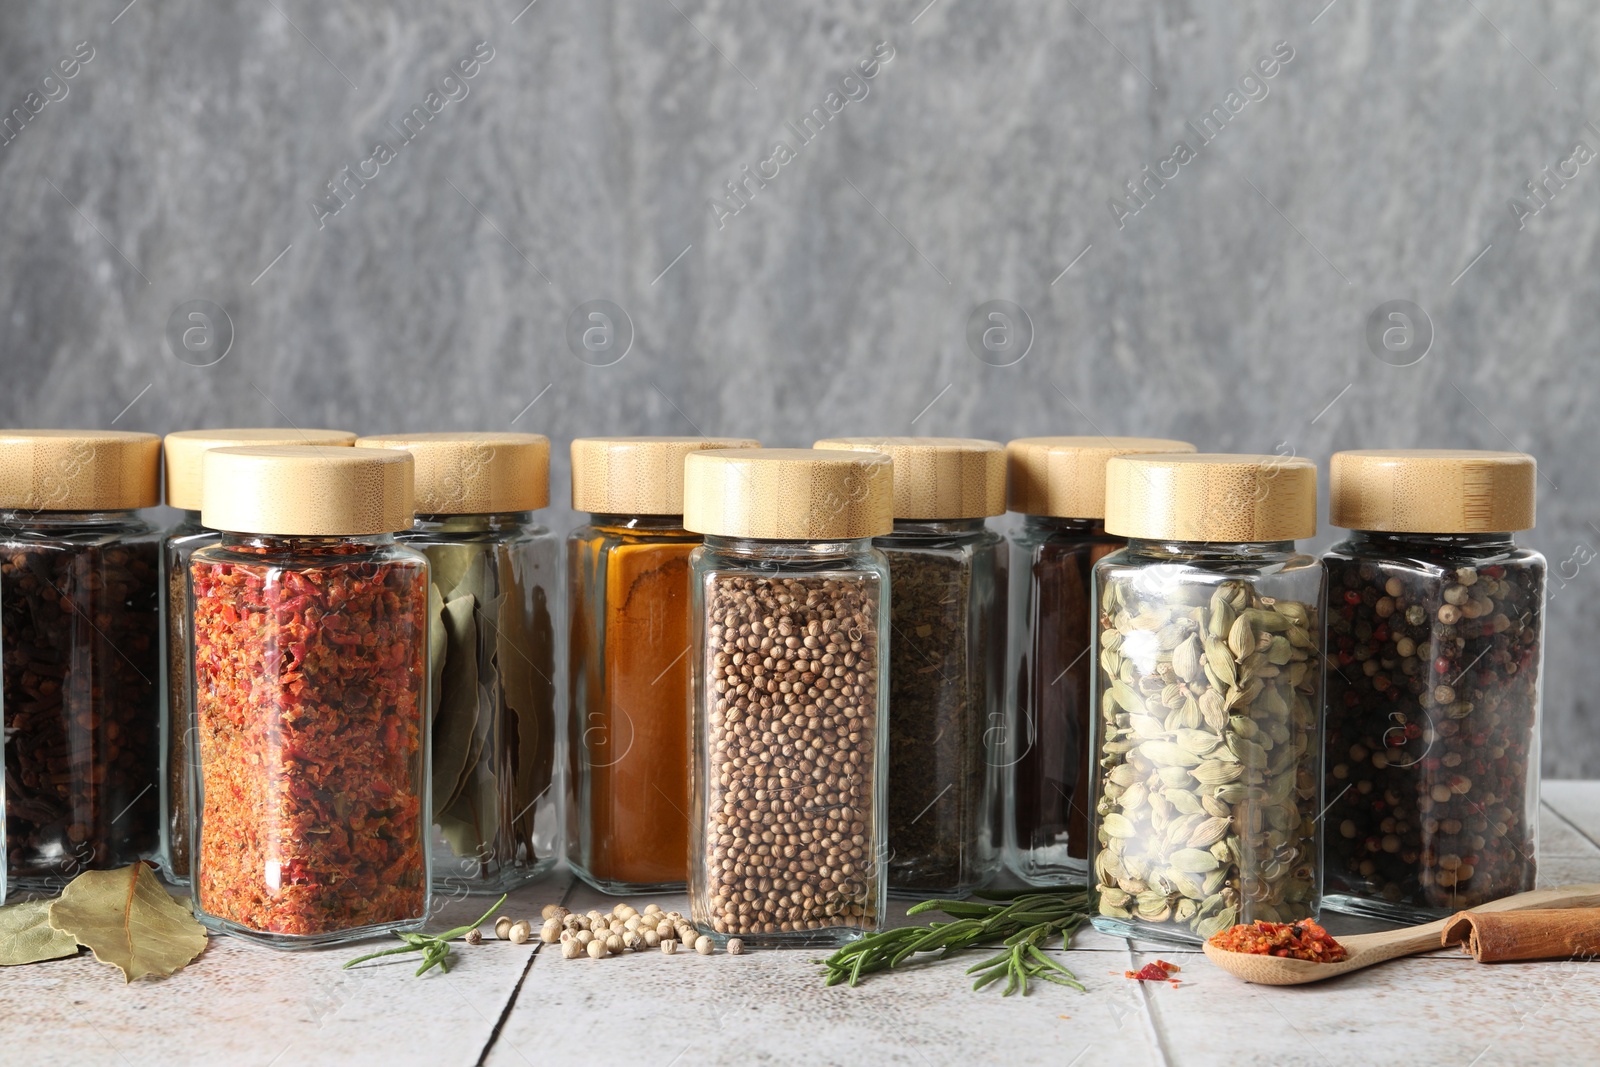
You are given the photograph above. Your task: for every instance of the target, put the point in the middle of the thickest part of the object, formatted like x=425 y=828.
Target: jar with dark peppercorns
x=1208 y=690
x=946 y=659
x=791 y=623
x=1436 y=633
x=181 y=452
x=80 y=633
x=1058 y=484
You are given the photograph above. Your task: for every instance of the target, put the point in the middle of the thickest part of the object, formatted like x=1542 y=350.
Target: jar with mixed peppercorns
x=181 y=452
x=80 y=635
x=1436 y=633
x=310 y=803
x=791 y=623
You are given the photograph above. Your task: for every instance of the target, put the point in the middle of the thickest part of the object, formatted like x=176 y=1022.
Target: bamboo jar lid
x=182 y=450
x=307 y=490
x=1432 y=490
x=1066 y=476
x=788 y=494
x=79 y=470
x=1211 y=497
x=939 y=477
x=474 y=473
x=636 y=475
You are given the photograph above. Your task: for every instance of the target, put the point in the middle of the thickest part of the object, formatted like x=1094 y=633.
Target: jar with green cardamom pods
x=1208 y=696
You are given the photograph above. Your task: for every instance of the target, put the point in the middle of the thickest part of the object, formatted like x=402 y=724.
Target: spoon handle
x=1425 y=938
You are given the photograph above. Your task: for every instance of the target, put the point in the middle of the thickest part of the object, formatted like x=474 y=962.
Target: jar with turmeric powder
x=628 y=676
x=496 y=817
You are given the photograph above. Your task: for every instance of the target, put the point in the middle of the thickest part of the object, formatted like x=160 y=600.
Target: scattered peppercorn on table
x=505 y=1004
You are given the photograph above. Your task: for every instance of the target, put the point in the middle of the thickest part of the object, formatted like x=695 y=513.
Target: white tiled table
x=508 y=1005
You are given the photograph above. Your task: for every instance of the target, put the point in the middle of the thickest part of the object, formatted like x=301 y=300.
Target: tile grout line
x=1580 y=831
x=1157 y=1040
x=516 y=990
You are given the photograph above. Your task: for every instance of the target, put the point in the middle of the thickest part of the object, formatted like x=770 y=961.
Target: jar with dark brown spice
x=791 y=624
x=80 y=639
x=1436 y=636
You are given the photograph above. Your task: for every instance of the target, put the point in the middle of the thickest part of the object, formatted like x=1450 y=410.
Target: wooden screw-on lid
x=474 y=473
x=788 y=494
x=939 y=477
x=1066 y=476
x=636 y=475
x=182 y=451
x=1432 y=490
x=307 y=490
x=1211 y=497
x=79 y=470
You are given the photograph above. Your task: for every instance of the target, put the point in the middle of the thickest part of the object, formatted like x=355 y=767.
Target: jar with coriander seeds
x=1058 y=485
x=791 y=624
x=181 y=452
x=1436 y=637
x=491 y=610
x=1208 y=697
x=946 y=659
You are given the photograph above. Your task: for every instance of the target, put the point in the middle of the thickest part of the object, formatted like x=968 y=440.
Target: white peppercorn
x=553 y=911
x=614 y=943
x=550 y=932
x=502 y=927
x=665 y=928
x=668 y=946
x=705 y=946
x=474 y=937
x=597 y=950
x=735 y=947
x=633 y=943
x=570 y=950
x=651 y=939
x=583 y=937
x=520 y=933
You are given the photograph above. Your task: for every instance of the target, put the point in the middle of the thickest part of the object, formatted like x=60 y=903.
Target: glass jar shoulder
x=71 y=530
x=1434 y=555
x=856 y=560
x=510 y=529
x=968 y=540
x=307 y=558
x=604 y=536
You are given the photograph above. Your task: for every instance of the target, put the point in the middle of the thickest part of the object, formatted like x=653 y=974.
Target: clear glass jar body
x=1043 y=745
x=177 y=545
x=309 y=781
x=787 y=822
x=1436 y=644
x=80 y=635
x=1207 y=784
x=946 y=694
x=628 y=679
x=493 y=583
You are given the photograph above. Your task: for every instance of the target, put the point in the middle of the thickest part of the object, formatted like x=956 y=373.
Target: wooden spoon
x=1366 y=949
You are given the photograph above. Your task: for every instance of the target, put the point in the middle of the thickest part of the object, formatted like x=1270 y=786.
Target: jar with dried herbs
x=181 y=452
x=80 y=636
x=628 y=673
x=1436 y=636
x=791 y=622
x=946 y=659
x=1208 y=693
x=491 y=598
x=1042 y=745
x=310 y=687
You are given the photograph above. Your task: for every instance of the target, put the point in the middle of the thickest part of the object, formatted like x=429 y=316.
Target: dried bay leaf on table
x=455 y=722
x=128 y=919
x=26 y=935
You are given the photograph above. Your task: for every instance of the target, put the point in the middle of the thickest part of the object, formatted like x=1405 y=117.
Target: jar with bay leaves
x=490 y=610
x=628 y=665
x=80 y=636
x=1436 y=633
x=181 y=452
x=791 y=621
x=946 y=659
x=1058 y=485
x=1208 y=695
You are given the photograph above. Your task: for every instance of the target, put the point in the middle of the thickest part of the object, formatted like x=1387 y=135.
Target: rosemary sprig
x=1021 y=926
x=435 y=948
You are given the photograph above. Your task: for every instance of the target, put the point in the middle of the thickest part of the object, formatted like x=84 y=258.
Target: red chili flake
x=1159 y=971
x=1304 y=940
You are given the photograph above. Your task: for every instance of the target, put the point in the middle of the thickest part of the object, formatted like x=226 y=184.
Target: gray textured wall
x=185 y=157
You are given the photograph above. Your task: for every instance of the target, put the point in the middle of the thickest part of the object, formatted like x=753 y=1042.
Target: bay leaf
x=455 y=724
x=26 y=935
x=128 y=919
x=437 y=644
x=453 y=564
x=525 y=653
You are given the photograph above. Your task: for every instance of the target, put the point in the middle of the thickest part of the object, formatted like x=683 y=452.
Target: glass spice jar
x=946 y=659
x=80 y=635
x=1206 y=791
x=181 y=452
x=1436 y=629
x=1042 y=746
x=310 y=656
x=490 y=602
x=790 y=709
x=628 y=671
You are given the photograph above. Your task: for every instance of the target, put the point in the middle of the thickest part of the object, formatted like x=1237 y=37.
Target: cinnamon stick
x=1500 y=936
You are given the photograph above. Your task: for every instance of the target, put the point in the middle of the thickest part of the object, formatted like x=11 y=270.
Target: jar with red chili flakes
x=490 y=603
x=1435 y=639
x=181 y=454
x=310 y=690
x=80 y=640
